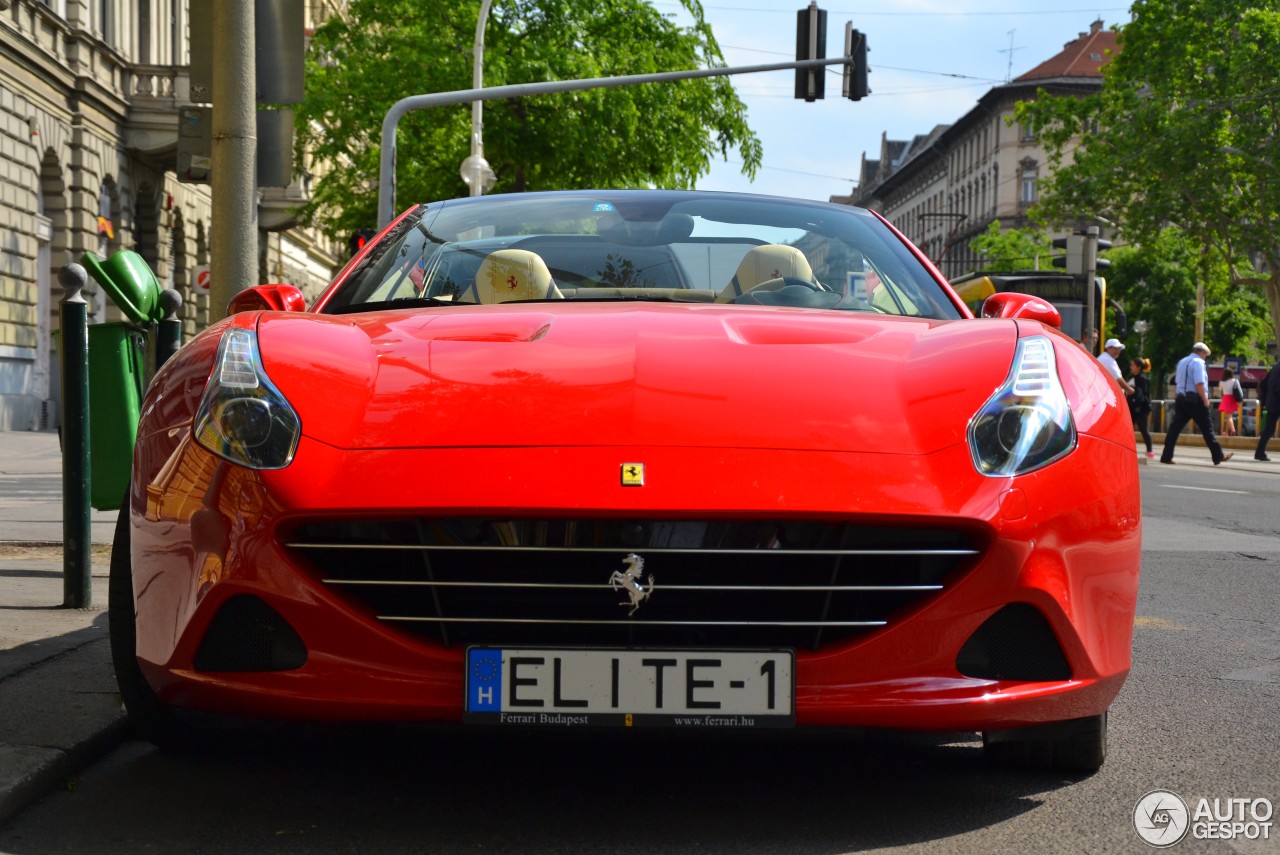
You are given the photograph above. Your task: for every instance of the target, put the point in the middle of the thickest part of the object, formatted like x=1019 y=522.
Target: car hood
x=635 y=374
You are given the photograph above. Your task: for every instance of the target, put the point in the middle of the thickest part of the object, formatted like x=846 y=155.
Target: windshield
x=643 y=245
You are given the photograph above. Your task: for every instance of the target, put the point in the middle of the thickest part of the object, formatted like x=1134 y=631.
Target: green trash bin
x=117 y=369
x=117 y=355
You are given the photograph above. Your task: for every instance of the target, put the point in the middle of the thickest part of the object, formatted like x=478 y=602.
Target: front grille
x=710 y=584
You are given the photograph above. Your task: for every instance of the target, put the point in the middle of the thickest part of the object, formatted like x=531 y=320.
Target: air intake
x=1015 y=643
x=249 y=635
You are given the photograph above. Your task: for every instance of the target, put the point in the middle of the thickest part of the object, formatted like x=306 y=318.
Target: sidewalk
x=59 y=708
x=1192 y=450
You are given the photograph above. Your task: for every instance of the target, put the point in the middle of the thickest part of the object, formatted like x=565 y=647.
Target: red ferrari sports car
x=632 y=459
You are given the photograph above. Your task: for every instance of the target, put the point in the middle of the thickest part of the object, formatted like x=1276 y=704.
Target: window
x=106 y=22
x=1027 y=191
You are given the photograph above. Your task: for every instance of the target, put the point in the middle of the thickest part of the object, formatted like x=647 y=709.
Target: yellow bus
x=1064 y=291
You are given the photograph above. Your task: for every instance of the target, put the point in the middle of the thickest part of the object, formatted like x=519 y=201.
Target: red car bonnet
x=573 y=375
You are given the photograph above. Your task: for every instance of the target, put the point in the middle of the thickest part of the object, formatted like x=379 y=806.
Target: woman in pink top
x=1229 y=405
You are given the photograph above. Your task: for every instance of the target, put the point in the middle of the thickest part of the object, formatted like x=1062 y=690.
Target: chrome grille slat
x=717 y=583
x=606 y=587
x=622 y=550
x=647 y=623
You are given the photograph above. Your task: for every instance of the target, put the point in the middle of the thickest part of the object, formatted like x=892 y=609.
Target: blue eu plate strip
x=484 y=669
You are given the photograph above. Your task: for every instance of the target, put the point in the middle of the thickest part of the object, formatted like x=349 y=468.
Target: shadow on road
x=469 y=789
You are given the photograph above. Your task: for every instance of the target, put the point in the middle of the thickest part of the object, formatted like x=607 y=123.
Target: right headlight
x=1027 y=423
x=242 y=416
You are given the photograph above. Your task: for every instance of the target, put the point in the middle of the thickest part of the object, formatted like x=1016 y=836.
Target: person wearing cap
x=1192 y=404
x=1110 y=353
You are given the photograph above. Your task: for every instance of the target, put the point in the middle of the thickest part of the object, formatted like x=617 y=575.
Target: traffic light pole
x=387 y=164
x=1090 y=259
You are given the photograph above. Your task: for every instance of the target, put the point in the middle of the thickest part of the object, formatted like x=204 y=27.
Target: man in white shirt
x=1110 y=353
x=1192 y=404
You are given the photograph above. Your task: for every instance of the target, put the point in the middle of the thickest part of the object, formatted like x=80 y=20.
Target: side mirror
x=277 y=298
x=1011 y=304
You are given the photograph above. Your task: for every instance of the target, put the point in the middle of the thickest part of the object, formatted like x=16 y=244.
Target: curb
x=51 y=768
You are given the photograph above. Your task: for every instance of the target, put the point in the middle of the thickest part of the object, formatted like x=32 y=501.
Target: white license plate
x=640 y=688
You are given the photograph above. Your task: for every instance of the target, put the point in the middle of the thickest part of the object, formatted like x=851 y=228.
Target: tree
x=1156 y=282
x=1184 y=132
x=1010 y=250
x=379 y=51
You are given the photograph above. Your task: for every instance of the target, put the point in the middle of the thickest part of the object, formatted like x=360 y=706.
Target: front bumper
x=1064 y=540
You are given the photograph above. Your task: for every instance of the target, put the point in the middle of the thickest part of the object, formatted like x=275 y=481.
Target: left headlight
x=242 y=416
x=1027 y=423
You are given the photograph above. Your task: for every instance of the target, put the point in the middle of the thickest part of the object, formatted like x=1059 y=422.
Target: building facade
x=89 y=98
x=943 y=188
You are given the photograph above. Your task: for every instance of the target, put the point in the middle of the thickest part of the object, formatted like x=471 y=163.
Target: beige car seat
x=765 y=262
x=513 y=274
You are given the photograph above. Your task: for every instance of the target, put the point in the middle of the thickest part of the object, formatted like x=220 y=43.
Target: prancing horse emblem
x=629 y=580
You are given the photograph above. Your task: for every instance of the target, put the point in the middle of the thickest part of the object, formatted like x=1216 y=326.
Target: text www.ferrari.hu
x=715 y=721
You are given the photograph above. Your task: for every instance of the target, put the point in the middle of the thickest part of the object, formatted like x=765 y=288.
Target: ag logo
x=1161 y=818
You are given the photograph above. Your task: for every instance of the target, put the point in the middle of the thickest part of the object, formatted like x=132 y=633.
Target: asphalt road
x=1199 y=716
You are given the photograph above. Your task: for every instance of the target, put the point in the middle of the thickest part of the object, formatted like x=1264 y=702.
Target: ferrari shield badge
x=633 y=474
x=629 y=580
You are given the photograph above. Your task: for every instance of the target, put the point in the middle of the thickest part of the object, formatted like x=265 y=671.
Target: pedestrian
x=1110 y=353
x=1191 y=404
x=1232 y=395
x=1140 y=400
x=1269 y=400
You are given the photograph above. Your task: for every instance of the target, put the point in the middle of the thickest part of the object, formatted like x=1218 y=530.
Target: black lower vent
x=248 y=635
x=1015 y=643
x=570 y=582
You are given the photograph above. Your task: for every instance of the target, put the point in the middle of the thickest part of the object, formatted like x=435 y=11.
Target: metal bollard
x=169 y=329
x=77 y=537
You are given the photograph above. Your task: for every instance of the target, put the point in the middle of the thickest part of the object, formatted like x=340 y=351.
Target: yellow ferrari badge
x=633 y=474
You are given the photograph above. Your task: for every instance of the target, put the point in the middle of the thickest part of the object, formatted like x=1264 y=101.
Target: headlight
x=1027 y=423
x=242 y=416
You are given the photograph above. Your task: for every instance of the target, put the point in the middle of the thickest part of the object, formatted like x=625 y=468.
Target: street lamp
x=475 y=170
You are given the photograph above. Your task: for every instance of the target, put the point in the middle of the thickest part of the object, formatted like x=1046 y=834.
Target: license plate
x=630 y=688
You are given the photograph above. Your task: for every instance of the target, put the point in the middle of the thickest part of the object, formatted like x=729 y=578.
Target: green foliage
x=1013 y=249
x=1184 y=132
x=1156 y=283
x=380 y=51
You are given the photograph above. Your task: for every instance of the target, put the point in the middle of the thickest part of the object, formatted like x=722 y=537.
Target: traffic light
x=811 y=43
x=1101 y=264
x=856 y=70
x=356 y=242
x=1073 y=260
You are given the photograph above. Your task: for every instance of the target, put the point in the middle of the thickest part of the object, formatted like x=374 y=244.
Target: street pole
x=1091 y=285
x=387 y=159
x=77 y=535
x=475 y=169
x=169 y=329
x=233 y=242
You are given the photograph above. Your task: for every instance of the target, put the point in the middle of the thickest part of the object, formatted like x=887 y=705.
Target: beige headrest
x=514 y=274
x=762 y=263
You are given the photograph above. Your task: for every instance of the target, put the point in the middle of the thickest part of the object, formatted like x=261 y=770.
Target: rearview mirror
x=1011 y=304
x=278 y=298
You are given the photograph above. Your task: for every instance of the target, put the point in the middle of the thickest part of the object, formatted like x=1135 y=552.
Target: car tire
x=152 y=719
x=1075 y=746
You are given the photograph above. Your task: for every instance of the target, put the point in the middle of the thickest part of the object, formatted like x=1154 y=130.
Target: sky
x=930 y=61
